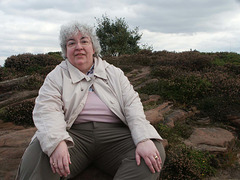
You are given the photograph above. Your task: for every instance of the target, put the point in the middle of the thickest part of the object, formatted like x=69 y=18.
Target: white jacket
x=63 y=95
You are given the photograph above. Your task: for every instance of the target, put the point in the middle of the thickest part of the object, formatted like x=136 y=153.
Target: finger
x=53 y=169
x=66 y=165
x=155 y=163
x=57 y=169
x=61 y=167
x=159 y=160
x=138 y=159
x=149 y=164
x=51 y=164
x=69 y=159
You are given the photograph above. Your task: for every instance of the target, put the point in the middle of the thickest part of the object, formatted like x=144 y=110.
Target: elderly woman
x=87 y=112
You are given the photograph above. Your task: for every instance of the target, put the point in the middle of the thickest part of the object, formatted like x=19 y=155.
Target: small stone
x=177 y=115
x=205 y=120
x=156 y=115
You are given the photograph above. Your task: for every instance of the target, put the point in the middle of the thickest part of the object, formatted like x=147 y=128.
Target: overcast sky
x=32 y=26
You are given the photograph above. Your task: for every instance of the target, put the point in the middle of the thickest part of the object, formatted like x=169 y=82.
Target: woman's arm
x=139 y=126
x=48 y=114
x=141 y=129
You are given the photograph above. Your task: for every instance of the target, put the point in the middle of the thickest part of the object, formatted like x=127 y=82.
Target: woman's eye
x=70 y=43
x=84 y=42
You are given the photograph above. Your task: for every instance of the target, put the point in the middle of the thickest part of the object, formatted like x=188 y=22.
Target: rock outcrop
x=211 y=139
x=15 y=139
x=179 y=115
x=13 y=142
x=156 y=115
x=235 y=120
x=6 y=86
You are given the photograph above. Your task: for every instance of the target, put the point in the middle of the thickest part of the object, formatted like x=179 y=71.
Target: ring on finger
x=156 y=157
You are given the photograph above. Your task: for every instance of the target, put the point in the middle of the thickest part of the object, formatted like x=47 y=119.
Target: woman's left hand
x=148 y=151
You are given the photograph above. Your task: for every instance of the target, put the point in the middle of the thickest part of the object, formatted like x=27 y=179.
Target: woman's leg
x=116 y=154
x=35 y=164
x=129 y=169
x=82 y=154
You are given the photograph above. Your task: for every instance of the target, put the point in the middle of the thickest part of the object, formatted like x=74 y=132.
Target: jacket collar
x=75 y=74
x=99 y=70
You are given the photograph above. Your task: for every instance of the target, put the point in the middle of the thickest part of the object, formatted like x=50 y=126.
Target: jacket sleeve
x=48 y=115
x=133 y=109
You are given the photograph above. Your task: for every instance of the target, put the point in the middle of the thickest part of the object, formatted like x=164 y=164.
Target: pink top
x=96 y=110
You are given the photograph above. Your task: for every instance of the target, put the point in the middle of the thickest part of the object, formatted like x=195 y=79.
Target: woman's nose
x=79 y=45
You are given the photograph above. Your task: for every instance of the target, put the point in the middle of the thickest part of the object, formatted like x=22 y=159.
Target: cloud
x=33 y=25
x=184 y=16
x=201 y=41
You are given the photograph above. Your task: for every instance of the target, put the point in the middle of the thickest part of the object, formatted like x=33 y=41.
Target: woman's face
x=80 y=52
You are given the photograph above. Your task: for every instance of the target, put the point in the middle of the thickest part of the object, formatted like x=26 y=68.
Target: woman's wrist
x=144 y=140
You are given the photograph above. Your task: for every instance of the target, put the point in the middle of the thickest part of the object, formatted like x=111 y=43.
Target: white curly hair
x=72 y=28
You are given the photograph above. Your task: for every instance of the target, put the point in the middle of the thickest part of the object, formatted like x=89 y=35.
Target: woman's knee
x=34 y=162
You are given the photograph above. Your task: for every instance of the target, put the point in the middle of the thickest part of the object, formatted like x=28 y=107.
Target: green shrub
x=181 y=89
x=188 y=164
x=7 y=74
x=227 y=159
x=219 y=62
x=229 y=57
x=29 y=63
x=216 y=107
x=205 y=162
x=186 y=61
x=20 y=114
x=32 y=83
x=182 y=129
x=163 y=72
x=176 y=134
x=234 y=69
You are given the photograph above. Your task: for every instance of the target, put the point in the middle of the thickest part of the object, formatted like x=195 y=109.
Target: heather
x=210 y=82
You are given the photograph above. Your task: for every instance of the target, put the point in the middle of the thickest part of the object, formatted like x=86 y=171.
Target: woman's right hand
x=60 y=159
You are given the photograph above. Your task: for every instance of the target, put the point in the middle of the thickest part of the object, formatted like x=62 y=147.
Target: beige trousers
x=107 y=146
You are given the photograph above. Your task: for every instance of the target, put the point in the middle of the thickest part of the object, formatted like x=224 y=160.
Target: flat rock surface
x=13 y=142
x=211 y=139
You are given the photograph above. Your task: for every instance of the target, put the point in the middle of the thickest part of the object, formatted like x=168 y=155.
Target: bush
x=20 y=114
x=164 y=72
x=29 y=63
x=185 y=61
x=219 y=107
x=188 y=164
x=7 y=74
x=227 y=58
x=210 y=81
x=176 y=134
x=181 y=89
